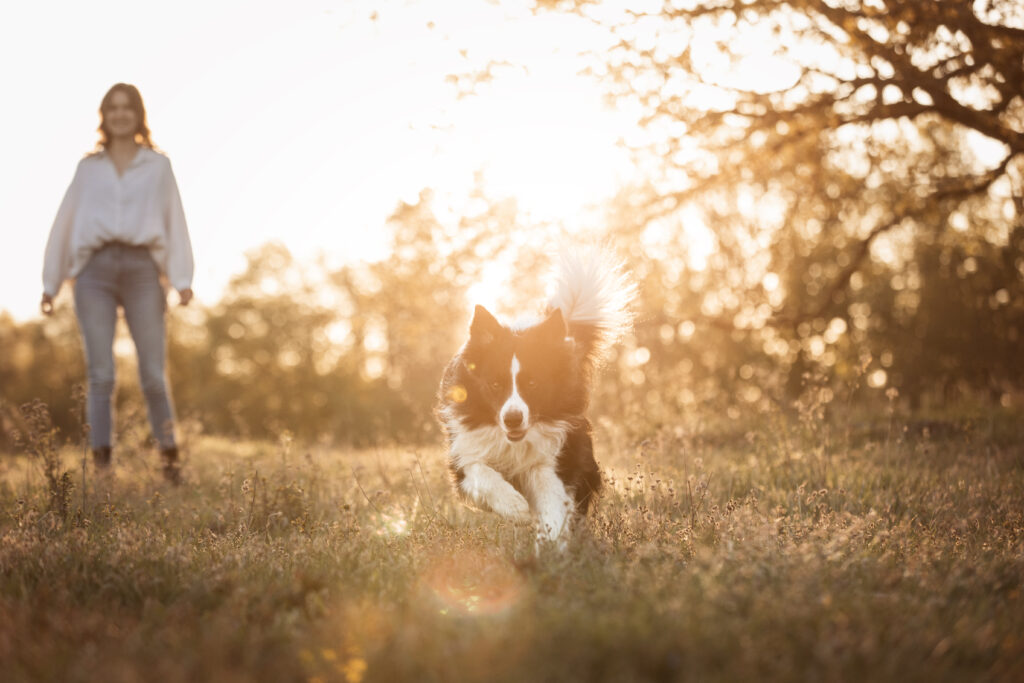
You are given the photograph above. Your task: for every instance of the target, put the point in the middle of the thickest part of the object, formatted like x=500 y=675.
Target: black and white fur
x=512 y=400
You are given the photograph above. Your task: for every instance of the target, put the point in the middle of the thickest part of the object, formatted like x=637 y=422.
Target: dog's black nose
x=513 y=419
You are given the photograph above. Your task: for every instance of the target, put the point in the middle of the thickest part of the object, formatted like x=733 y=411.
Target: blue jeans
x=125 y=276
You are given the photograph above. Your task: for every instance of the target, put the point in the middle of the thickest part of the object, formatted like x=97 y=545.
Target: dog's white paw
x=484 y=488
x=553 y=527
x=512 y=505
x=546 y=539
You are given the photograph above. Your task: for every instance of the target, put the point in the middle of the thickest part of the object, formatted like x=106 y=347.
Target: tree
x=41 y=360
x=826 y=145
x=274 y=356
x=409 y=311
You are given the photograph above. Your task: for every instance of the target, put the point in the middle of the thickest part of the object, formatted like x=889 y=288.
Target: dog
x=513 y=400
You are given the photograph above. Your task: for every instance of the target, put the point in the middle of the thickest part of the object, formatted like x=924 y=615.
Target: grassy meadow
x=784 y=550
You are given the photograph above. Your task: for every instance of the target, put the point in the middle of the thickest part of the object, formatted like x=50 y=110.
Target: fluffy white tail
x=594 y=295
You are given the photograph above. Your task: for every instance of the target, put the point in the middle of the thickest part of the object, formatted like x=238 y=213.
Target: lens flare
x=474 y=584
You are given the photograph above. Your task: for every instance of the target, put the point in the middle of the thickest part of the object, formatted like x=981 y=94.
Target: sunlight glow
x=544 y=140
x=474 y=584
x=489 y=289
x=699 y=240
x=393 y=523
x=307 y=125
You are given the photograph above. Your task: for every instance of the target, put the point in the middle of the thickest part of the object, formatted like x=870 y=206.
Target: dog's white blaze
x=515 y=401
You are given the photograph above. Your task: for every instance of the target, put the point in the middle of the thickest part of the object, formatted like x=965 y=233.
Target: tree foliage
x=349 y=355
x=859 y=167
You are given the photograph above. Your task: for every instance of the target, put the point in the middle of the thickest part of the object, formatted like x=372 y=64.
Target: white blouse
x=141 y=207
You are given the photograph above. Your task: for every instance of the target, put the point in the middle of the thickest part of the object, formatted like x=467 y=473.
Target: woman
x=120 y=229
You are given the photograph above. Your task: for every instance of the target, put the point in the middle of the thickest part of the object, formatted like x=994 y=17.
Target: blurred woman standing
x=119 y=230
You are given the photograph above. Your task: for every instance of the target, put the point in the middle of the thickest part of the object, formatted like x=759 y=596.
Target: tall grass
x=782 y=549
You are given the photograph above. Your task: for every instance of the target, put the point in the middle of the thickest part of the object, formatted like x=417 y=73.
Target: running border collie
x=512 y=400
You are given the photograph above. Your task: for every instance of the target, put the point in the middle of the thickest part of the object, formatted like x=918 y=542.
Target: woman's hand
x=184 y=296
x=46 y=305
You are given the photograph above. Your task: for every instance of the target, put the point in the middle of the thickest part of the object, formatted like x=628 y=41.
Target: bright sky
x=301 y=122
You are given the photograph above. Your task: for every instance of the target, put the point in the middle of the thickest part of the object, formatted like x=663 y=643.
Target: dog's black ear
x=554 y=326
x=485 y=327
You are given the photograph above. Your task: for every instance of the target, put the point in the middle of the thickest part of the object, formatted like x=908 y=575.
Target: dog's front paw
x=543 y=544
x=486 y=489
x=512 y=505
x=547 y=538
x=553 y=528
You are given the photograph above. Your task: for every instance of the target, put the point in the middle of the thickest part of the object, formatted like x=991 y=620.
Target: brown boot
x=101 y=457
x=172 y=472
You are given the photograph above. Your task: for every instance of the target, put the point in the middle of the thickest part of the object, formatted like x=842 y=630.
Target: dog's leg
x=553 y=503
x=487 y=489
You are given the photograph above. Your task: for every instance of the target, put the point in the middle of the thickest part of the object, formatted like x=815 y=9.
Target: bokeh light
x=474 y=583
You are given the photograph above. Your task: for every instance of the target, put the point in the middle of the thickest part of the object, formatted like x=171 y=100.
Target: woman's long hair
x=135 y=102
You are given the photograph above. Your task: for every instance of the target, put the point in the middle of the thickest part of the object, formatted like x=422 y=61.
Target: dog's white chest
x=488 y=446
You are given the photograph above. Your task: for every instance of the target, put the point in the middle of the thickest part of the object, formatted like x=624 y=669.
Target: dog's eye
x=495 y=384
x=530 y=383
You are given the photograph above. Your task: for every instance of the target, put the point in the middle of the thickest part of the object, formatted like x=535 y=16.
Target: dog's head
x=519 y=378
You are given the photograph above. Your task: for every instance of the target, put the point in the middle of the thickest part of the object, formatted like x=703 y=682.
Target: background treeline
x=845 y=230
x=353 y=355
